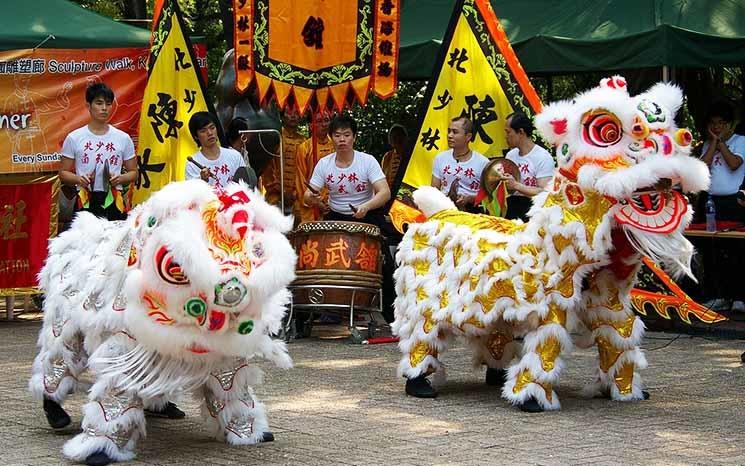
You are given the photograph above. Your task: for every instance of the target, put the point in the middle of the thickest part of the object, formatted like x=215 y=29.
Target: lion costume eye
x=168 y=269
x=601 y=128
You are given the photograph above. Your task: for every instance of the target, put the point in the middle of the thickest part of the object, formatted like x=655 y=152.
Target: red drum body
x=339 y=265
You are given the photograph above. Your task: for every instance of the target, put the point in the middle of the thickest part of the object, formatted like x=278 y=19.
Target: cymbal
x=494 y=172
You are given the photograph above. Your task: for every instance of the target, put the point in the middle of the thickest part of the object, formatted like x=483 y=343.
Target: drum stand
x=316 y=294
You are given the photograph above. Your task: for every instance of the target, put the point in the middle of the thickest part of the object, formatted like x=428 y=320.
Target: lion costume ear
x=553 y=122
x=267 y=216
x=667 y=95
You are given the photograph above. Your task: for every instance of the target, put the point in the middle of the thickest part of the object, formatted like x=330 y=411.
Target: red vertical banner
x=27 y=220
x=385 y=61
x=243 y=27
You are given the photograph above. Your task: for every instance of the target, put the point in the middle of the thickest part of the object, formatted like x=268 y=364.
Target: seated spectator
x=724 y=153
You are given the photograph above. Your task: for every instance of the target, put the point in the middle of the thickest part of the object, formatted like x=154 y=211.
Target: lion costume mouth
x=653 y=212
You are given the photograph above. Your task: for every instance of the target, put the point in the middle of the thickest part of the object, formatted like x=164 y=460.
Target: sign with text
x=42 y=99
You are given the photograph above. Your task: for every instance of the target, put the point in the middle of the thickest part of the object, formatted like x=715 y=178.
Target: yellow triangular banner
x=361 y=87
x=339 y=94
x=322 y=96
x=470 y=84
x=262 y=85
x=172 y=95
x=302 y=97
x=281 y=92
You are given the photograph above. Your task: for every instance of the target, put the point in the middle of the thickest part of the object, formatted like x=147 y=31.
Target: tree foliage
x=202 y=17
x=211 y=19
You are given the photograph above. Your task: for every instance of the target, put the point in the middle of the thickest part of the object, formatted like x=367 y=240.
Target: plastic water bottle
x=711 y=215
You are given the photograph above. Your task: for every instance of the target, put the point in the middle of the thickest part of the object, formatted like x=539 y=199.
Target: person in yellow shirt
x=308 y=154
x=397 y=138
x=270 y=179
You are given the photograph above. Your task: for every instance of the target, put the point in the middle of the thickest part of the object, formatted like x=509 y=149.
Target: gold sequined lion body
x=571 y=267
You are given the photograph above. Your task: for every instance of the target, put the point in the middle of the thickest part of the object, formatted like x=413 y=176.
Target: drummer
x=355 y=181
x=357 y=190
x=534 y=162
x=457 y=171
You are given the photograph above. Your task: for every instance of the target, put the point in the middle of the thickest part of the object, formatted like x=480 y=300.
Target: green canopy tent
x=562 y=37
x=29 y=23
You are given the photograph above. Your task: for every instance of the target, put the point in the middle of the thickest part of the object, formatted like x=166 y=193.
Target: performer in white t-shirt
x=459 y=165
x=218 y=164
x=355 y=181
x=357 y=190
x=534 y=162
x=88 y=150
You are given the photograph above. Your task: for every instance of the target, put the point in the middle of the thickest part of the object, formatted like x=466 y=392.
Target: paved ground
x=342 y=404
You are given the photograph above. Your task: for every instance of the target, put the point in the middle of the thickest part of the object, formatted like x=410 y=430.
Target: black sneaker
x=98 y=458
x=495 y=377
x=56 y=416
x=169 y=411
x=267 y=437
x=531 y=406
x=420 y=387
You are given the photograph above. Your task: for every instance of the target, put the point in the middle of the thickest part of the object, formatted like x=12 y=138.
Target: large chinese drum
x=339 y=265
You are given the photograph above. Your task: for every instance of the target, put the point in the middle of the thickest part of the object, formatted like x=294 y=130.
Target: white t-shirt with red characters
x=534 y=165
x=223 y=167
x=724 y=181
x=91 y=151
x=350 y=185
x=468 y=173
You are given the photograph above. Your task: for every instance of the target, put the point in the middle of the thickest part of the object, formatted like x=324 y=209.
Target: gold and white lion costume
x=177 y=298
x=571 y=267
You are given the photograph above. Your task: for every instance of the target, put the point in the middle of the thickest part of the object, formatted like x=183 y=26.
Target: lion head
x=207 y=271
x=629 y=149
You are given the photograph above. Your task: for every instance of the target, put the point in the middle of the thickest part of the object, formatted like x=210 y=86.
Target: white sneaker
x=738 y=306
x=718 y=304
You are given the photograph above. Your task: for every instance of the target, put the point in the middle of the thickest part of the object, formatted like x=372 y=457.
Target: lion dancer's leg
x=113 y=419
x=420 y=341
x=617 y=332
x=530 y=382
x=56 y=368
x=230 y=408
x=495 y=349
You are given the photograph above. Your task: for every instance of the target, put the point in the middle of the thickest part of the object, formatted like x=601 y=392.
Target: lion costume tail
x=431 y=200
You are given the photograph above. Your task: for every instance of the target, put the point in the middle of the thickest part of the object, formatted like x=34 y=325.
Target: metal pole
x=281 y=159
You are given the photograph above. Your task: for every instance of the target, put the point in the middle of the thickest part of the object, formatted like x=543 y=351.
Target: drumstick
x=311 y=188
x=354 y=209
x=200 y=166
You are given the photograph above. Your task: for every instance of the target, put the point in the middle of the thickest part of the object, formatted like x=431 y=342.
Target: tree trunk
x=135 y=9
x=226 y=14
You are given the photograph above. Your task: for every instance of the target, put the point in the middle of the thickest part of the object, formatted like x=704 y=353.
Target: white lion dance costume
x=571 y=267
x=177 y=298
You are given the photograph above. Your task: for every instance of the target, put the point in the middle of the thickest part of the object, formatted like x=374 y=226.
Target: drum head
x=494 y=173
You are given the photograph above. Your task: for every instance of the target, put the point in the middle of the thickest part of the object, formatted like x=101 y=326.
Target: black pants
x=95 y=206
x=377 y=218
x=518 y=207
x=726 y=206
